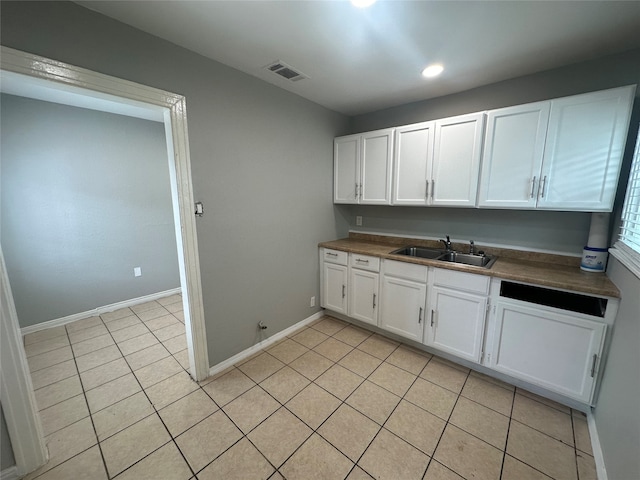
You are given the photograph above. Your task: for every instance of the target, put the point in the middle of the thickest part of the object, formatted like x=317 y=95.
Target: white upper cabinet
x=583 y=153
x=412 y=164
x=362 y=168
x=512 y=157
x=456 y=160
x=563 y=154
x=437 y=163
x=346 y=166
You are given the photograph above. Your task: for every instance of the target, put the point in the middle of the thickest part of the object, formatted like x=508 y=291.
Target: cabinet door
x=412 y=164
x=553 y=350
x=346 y=157
x=377 y=150
x=363 y=296
x=456 y=322
x=583 y=153
x=512 y=158
x=456 y=160
x=402 y=307
x=335 y=287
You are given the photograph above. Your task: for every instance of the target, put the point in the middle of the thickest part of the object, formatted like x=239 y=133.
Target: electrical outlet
x=137 y=272
x=312 y=303
x=359 y=220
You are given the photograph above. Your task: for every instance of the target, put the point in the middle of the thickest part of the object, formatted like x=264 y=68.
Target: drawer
x=335 y=256
x=409 y=271
x=364 y=262
x=467 y=282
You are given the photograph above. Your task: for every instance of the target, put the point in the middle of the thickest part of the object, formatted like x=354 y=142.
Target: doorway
x=50 y=80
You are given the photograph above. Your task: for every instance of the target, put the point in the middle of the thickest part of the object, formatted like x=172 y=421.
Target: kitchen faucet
x=447 y=244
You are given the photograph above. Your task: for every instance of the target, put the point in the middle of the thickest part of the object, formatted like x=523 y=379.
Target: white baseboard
x=98 y=311
x=601 y=470
x=265 y=343
x=10 y=473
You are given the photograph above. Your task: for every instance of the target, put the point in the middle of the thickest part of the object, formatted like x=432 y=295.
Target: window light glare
x=432 y=70
x=362 y=3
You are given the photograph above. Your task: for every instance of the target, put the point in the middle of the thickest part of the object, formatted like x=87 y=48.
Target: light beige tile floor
x=332 y=401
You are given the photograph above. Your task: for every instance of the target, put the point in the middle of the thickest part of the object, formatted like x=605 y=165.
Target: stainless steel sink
x=485 y=261
x=421 y=252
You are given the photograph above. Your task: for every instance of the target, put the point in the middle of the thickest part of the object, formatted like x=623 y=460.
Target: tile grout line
x=506 y=440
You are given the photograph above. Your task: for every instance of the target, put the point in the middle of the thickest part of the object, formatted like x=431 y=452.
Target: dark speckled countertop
x=555 y=271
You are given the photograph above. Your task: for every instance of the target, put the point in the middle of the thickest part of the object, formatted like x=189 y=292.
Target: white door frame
x=175 y=121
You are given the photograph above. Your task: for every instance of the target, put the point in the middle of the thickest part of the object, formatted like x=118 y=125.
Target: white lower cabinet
x=456 y=322
x=404 y=293
x=556 y=351
x=457 y=312
x=333 y=294
x=363 y=295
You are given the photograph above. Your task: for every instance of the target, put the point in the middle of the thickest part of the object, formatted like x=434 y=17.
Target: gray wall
x=617 y=413
x=85 y=199
x=261 y=158
x=556 y=231
x=6 y=450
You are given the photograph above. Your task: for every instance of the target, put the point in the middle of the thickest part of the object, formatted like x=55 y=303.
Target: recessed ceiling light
x=432 y=70
x=362 y=3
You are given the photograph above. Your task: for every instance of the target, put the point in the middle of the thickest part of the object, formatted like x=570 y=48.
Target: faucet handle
x=472 y=247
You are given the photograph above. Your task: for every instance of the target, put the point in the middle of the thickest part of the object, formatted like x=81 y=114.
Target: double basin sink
x=476 y=260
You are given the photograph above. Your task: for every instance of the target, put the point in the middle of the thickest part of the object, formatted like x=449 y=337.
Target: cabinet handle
x=420 y=316
x=343 y=294
x=374 y=300
x=332 y=254
x=432 y=313
x=427 y=192
x=593 y=365
x=543 y=183
x=433 y=188
x=533 y=185
x=359 y=260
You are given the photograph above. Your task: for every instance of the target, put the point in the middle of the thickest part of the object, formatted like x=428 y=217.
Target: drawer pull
x=374 y=300
x=533 y=185
x=359 y=260
x=420 y=316
x=343 y=291
x=593 y=365
x=432 y=313
x=331 y=254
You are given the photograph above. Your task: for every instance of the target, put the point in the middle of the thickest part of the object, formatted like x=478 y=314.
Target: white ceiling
x=360 y=60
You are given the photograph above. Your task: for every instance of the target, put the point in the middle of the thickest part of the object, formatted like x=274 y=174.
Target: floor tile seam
x=58 y=380
x=53 y=364
x=575 y=446
x=374 y=356
x=461 y=394
x=544 y=433
x=150 y=346
x=112 y=330
x=75 y=421
x=331 y=393
x=140 y=460
x=86 y=401
x=46 y=351
x=129 y=338
x=170 y=338
x=24 y=337
x=88 y=338
x=447 y=421
x=104 y=383
x=112 y=311
x=275 y=467
x=162 y=380
x=506 y=440
x=546 y=475
x=65 y=461
x=338 y=449
x=544 y=404
x=60 y=401
x=107 y=436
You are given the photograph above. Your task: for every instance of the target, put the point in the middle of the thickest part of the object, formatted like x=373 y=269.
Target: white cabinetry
x=363 y=288
x=562 y=154
x=553 y=350
x=457 y=312
x=404 y=292
x=362 y=168
x=456 y=160
x=584 y=148
x=437 y=163
x=512 y=157
x=333 y=295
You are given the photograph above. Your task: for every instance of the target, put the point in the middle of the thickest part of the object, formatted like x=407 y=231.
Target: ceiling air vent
x=285 y=71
